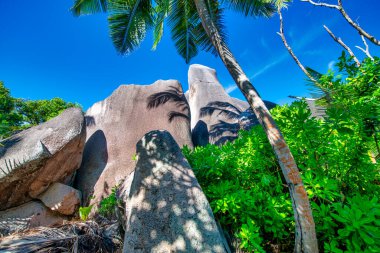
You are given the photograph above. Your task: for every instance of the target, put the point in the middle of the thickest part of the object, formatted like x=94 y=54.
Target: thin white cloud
x=230 y=88
x=270 y=65
x=265 y=45
x=244 y=54
x=297 y=46
x=331 y=65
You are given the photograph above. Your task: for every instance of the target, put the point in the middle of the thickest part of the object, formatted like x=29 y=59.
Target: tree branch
x=356 y=26
x=322 y=4
x=282 y=35
x=366 y=51
x=340 y=8
x=339 y=40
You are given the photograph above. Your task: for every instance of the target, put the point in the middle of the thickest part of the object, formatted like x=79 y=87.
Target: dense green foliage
x=9 y=118
x=107 y=205
x=84 y=212
x=17 y=114
x=249 y=196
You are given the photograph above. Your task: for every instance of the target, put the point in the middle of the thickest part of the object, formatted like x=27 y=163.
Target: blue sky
x=45 y=52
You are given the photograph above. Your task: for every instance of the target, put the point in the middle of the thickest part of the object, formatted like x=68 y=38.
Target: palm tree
x=198 y=24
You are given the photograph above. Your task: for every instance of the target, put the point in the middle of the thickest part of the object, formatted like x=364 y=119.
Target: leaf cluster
x=17 y=114
x=338 y=159
x=109 y=204
x=130 y=20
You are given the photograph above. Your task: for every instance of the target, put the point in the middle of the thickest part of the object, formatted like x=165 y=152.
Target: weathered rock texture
x=61 y=198
x=166 y=208
x=215 y=116
x=115 y=125
x=33 y=159
x=29 y=215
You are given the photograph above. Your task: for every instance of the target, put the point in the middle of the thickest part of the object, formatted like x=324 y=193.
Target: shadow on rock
x=166 y=209
x=95 y=157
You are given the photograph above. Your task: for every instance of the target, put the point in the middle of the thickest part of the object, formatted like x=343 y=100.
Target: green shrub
x=108 y=204
x=17 y=114
x=248 y=194
x=84 y=212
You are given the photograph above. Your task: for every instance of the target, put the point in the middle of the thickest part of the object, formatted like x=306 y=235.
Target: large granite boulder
x=29 y=215
x=30 y=161
x=116 y=124
x=215 y=116
x=166 y=210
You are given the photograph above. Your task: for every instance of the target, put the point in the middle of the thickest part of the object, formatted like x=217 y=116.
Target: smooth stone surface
x=229 y=115
x=116 y=124
x=166 y=209
x=61 y=198
x=30 y=161
x=29 y=215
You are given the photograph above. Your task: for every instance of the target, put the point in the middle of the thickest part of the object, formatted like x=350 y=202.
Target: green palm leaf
x=216 y=13
x=162 y=10
x=128 y=21
x=184 y=20
x=257 y=8
x=83 y=7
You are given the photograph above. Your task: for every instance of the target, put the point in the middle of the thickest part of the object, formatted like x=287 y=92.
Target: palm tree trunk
x=306 y=240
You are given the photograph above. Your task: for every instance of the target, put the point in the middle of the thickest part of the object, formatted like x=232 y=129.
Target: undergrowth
x=339 y=163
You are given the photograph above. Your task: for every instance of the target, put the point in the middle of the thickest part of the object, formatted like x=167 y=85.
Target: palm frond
x=173 y=94
x=172 y=115
x=162 y=10
x=129 y=21
x=183 y=20
x=228 y=109
x=207 y=110
x=255 y=8
x=73 y=237
x=316 y=90
x=223 y=128
x=224 y=139
x=85 y=7
x=215 y=11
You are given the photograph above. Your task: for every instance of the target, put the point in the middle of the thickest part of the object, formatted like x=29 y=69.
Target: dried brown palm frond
x=76 y=237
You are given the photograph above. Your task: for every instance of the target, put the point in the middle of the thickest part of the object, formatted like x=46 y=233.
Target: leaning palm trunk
x=305 y=240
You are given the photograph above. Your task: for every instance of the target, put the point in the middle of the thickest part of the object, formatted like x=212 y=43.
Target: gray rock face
x=211 y=106
x=61 y=198
x=33 y=159
x=166 y=208
x=115 y=125
x=29 y=215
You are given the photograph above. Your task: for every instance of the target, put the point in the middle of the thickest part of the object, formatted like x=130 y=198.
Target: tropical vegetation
x=18 y=114
x=338 y=157
x=195 y=25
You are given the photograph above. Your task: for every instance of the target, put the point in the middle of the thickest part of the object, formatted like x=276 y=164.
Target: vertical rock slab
x=166 y=208
x=211 y=106
x=30 y=161
x=116 y=124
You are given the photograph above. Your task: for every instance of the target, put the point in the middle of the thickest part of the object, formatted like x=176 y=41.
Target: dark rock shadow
x=8 y=143
x=200 y=135
x=95 y=157
x=90 y=121
x=236 y=120
x=171 y=95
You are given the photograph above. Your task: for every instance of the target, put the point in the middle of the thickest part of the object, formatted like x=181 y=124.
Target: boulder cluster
x=131 y=140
